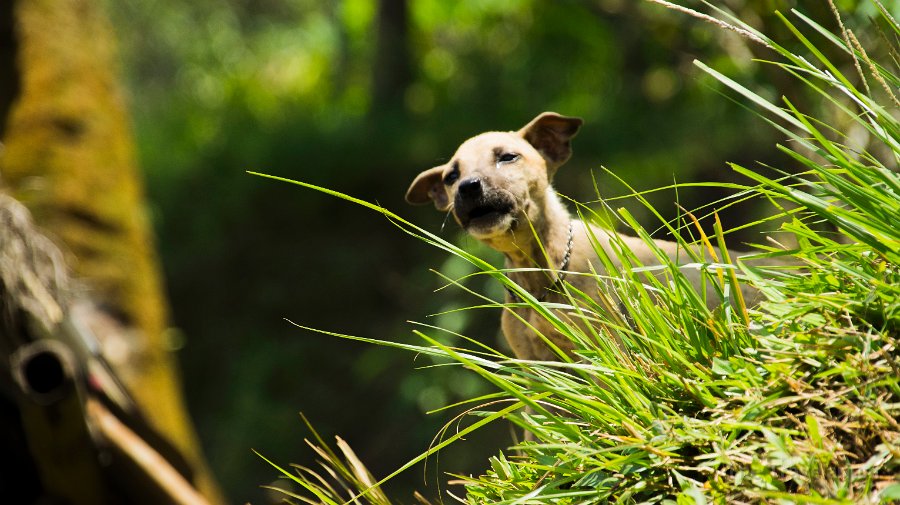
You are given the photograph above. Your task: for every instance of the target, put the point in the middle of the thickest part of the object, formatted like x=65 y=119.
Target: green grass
x=793 y=401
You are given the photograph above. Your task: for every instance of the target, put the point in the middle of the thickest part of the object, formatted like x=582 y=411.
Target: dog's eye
x=507 y=158
x=451 y=177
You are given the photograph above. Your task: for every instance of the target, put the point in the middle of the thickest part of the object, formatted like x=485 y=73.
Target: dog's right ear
x=551 y=134
x=427 y=187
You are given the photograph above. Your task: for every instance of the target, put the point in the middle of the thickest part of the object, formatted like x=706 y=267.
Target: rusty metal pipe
x=53 y=416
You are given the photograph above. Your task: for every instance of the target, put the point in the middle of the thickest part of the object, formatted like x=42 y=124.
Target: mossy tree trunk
x=68 y=154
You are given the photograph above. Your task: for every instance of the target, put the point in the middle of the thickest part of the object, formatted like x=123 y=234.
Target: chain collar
x=561 y=276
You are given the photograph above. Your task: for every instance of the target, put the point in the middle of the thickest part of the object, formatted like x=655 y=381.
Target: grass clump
x=667 y=401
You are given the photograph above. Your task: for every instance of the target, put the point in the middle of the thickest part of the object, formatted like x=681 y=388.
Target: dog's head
x=497 y=180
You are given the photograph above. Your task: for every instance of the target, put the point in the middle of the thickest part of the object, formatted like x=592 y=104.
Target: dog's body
x=498 y=187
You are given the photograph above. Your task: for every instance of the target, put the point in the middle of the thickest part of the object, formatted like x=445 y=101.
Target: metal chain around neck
x=563 y=269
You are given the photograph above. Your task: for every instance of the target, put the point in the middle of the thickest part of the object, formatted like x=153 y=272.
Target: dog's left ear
x=429 y=187
x=551 y=134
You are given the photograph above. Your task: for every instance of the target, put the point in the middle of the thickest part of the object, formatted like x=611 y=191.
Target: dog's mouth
x=488 y=212
x=485 y=214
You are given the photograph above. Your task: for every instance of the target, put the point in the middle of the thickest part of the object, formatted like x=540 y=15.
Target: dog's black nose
x=470 y=187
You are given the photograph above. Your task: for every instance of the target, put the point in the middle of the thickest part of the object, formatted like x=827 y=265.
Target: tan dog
x=497 y=183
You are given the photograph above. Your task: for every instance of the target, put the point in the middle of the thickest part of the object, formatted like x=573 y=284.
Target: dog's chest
x=525 y=342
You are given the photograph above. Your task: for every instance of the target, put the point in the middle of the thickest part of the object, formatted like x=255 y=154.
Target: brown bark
x=69 y=156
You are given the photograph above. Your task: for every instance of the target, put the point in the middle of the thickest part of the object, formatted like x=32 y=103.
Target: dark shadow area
x=9 y=85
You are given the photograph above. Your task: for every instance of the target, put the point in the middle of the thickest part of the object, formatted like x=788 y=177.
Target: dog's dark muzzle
x=476 y=205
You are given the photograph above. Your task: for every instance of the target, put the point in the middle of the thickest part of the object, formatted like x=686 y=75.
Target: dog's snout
x=470 y=187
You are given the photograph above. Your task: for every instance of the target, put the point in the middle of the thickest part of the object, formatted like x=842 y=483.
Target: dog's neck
x=545 y=248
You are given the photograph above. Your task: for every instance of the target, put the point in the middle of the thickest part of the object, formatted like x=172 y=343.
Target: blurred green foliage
x=288 y=87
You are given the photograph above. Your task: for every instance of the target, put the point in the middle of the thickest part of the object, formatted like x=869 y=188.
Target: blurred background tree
x=359 y=96
x=67 y=153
